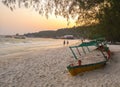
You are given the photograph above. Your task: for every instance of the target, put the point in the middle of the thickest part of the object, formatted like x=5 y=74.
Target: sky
x=24 y=20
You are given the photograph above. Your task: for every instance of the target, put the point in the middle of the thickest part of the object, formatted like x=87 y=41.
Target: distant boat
x=68 y=37
x=8 y=36
x=19 y=37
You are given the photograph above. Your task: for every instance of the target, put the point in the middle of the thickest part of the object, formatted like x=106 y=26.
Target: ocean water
x=8 y=42
x=12 y=45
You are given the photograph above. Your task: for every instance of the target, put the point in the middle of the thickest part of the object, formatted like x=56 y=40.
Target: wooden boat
x=74 y=70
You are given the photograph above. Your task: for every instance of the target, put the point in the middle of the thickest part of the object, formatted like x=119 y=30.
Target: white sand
x=47 y=68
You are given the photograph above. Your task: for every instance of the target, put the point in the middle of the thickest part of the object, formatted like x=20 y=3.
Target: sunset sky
x=24 y=20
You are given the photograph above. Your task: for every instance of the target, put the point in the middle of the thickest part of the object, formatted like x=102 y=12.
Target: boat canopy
x=91 y=43
x=86 y=44
x=96 y=42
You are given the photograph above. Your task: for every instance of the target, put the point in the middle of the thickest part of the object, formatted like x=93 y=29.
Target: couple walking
x=65 y=42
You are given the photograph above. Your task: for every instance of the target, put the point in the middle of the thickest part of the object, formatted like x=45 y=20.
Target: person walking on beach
x=67 y=42
x=64 y=42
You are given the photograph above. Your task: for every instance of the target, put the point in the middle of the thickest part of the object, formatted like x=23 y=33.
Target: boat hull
x=74 y=70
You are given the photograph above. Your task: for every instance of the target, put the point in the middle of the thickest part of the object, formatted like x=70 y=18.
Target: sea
x=12 y=45
x=9 y=42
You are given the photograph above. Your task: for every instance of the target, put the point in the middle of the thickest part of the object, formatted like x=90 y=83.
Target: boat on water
x=100 y=45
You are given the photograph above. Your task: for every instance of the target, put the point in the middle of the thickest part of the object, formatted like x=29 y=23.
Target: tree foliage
x=83 y=10
x=109 y=20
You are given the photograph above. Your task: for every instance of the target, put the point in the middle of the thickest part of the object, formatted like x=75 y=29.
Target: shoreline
x=31 y=44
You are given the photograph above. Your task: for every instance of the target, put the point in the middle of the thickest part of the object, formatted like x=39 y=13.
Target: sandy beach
x=47 y=68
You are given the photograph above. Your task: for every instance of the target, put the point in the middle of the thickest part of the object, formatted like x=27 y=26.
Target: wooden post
x=73 y=53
